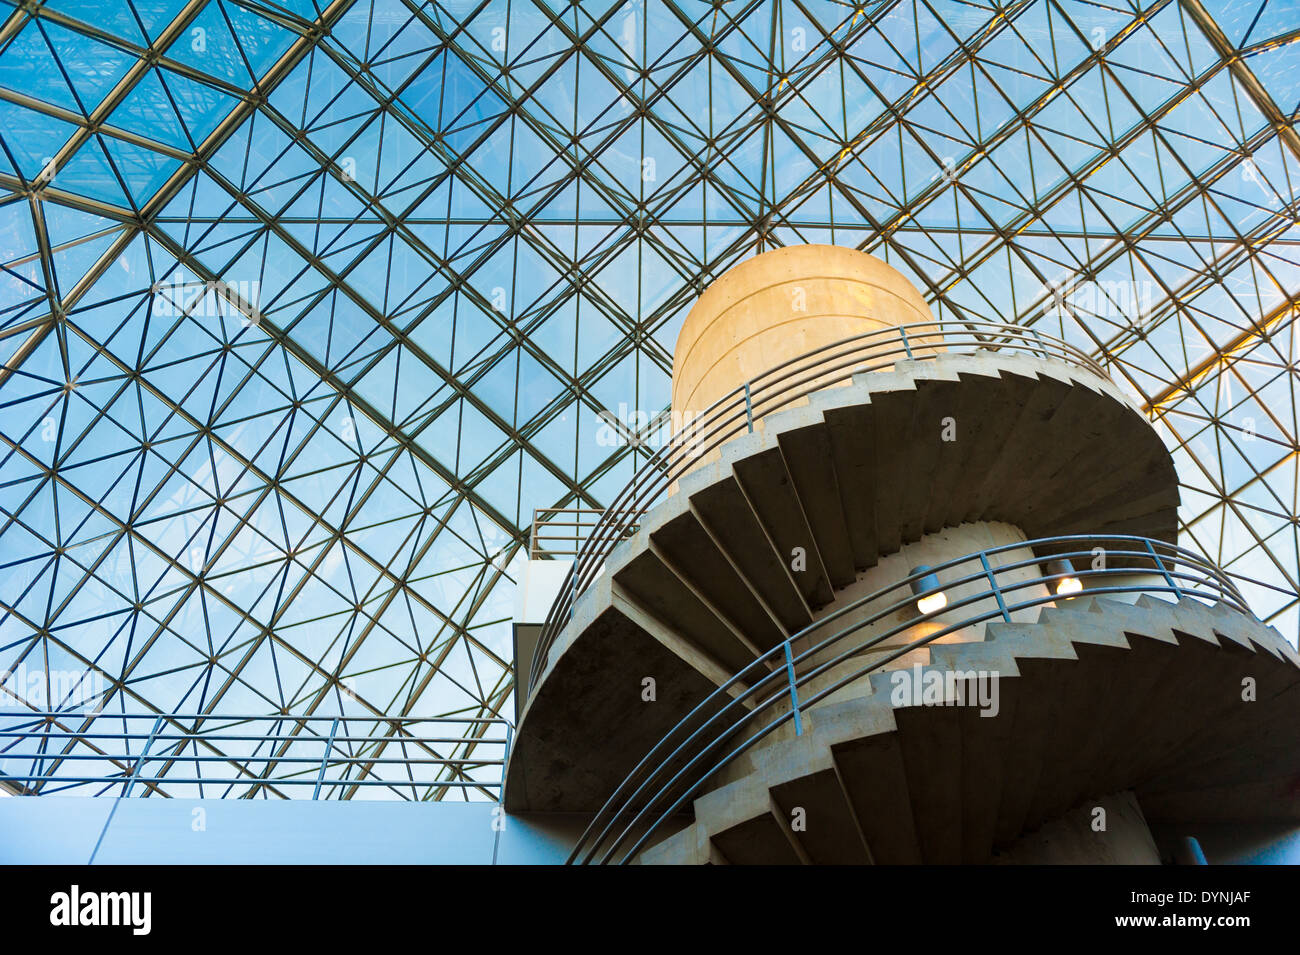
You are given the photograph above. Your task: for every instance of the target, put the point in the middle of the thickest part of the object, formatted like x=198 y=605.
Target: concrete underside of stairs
x=1194 y=709
x=1108 y=830
x=849 y=476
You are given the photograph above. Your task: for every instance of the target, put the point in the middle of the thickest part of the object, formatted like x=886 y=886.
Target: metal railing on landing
x=990 y=585
x=771 y=391
x=558 y=532
x=219 y=756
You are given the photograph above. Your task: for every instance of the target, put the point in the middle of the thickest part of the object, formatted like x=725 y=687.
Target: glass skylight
x=306 y=307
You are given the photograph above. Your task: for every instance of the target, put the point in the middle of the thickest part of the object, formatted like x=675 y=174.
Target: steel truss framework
x=306 y=306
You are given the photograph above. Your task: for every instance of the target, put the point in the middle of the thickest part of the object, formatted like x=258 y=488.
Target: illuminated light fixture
x=929 y=598
x=1068 y=584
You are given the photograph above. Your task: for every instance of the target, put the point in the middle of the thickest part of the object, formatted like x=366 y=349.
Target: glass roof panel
x=306 y=306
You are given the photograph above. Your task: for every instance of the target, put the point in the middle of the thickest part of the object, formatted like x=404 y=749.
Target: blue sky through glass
x=306 y=306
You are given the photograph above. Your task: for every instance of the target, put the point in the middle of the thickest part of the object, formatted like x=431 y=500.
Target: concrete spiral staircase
x=778 y=566
x=849 y=475
x=1096 y=697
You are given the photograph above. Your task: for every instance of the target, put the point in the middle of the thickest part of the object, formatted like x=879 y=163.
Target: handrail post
x=993 y=583
x=749 y=409
x=794 y=694
x=906 y=346
x=325 y=759
x=505 y=760
x=139 y=760
x=1163 y=571
x=1042 y=345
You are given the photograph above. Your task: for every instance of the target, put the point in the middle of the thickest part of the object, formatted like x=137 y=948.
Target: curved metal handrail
x=777 y=388
x=654 y=790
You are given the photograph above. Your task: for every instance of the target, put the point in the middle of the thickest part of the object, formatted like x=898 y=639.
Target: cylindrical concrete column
x=934 y=550
x=780 y=305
